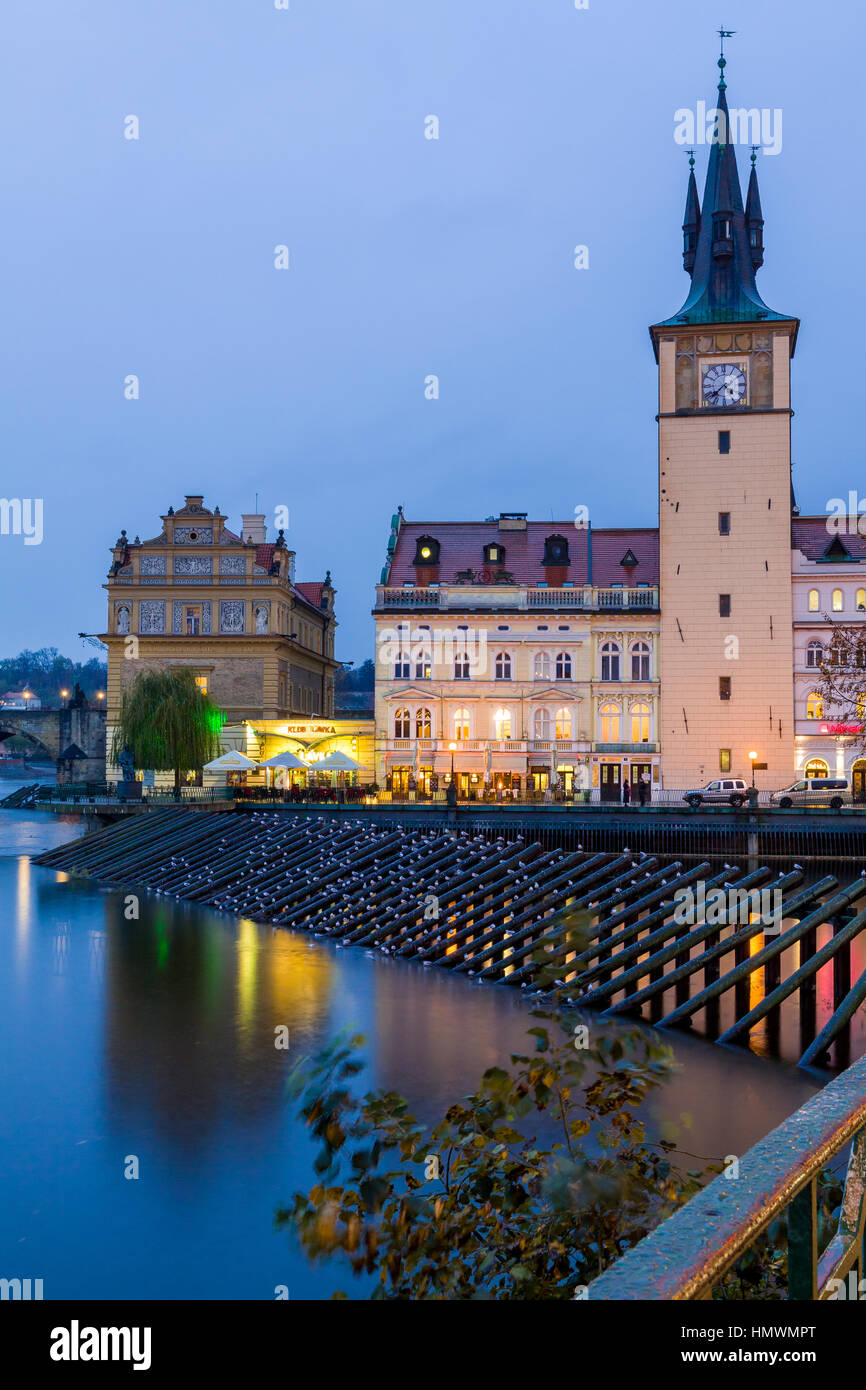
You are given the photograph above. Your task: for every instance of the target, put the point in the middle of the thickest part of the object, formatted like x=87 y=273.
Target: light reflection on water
x=156 y=1038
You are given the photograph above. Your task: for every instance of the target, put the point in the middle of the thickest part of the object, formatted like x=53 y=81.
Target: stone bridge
x=74 y=738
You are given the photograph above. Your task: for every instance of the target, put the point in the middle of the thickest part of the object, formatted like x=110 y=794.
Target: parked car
x=733 y=791
x=814 y=791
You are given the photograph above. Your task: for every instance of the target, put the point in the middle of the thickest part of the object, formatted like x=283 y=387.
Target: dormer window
x=555 y=550
x=629 y=559
x=494 y=554
x=426 y=551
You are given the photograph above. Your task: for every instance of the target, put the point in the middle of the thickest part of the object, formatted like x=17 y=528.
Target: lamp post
x=753 y=758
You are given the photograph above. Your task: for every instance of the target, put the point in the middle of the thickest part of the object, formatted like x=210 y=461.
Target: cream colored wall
x=753 y=565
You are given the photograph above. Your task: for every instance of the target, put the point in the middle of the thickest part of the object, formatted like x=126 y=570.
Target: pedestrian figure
x=626 y=792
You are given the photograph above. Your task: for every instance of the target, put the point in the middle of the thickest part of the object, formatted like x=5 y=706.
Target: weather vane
x=725 y=34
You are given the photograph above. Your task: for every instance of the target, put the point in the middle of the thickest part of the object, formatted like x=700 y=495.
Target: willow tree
x=168 y=723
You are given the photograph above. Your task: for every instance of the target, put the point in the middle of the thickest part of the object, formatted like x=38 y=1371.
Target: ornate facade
x=227 y=605
x=524 y=653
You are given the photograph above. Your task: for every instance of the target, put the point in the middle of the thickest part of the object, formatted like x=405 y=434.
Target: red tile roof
x=809 y=534
x=462 y=547
x=312 y=593
x=264 y=556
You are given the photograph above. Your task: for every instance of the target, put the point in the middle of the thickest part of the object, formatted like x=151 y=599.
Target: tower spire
x=722 y=240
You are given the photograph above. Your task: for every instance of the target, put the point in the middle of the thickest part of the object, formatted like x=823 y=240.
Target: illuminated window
x=423 y=723
x=503 y=666
x=563 y=722
x=724 y=760
x=837 y=600
x=814 y=601
x=423 y=664
x=640 y=723
x=542 y=666
x=816 y=767
x=610 y=654
x=461 y=723
x=814 y=706
x=402 y=723
x=541 y=724
x=610 y=723
x=861 y=601
x=640 y=662
x=861 y=704
x=563 y=666
x=201 y=682
x=192 y=621
x=502 y=724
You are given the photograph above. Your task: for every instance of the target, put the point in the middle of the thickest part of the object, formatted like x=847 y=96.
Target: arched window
x=610 y=664
x=640 y=723
x=610 y=722
x=563 y=666
x=461 y=666
x=837 y=601
x=423 y=664
x=816 y=767
x=502 y=724
x=402 y=666
x=542 y=666
x=814 y=706
x=814 y=653
x=563 y=722
x=541 y=723
x=861 y=601
x=814 y=601
x=402 y=723
x=640 y=662
x=503 y=666
x=423 y=723
x=461 y=723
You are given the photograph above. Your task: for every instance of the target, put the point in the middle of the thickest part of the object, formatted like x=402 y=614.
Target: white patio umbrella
x=337 y=762
x=231 y=762
x=287 y=760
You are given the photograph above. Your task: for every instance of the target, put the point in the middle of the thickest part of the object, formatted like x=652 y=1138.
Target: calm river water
x=156 y=1038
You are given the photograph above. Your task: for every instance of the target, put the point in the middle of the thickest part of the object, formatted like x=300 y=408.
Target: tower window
x=724 y=523
x=724 y=605
x=426 y=551
x=724 y=441
x=724 y=687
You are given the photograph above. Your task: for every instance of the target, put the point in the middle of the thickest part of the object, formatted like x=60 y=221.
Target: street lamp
x=64 y=694
x=753 y=758
x=100 y=694
x=453 y=748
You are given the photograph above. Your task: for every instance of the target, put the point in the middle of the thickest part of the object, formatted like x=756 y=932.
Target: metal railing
x=584 y=597
x=687 y=1256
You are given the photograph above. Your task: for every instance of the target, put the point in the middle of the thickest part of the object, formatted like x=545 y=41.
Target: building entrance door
x=610 y=780
x=858 y=781
x=637 y=772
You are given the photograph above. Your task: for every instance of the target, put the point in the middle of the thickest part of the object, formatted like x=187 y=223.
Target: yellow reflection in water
x=22 y=909
x=248 y=966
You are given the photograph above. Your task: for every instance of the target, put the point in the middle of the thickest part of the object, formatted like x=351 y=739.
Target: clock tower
x=725 y=492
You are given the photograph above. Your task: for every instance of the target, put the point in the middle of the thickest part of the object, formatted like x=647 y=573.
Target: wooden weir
x=598 y=929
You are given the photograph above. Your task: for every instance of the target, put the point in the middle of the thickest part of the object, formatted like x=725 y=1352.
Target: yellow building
x=227 y=605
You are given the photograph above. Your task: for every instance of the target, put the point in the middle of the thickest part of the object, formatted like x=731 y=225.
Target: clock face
x=724 y=384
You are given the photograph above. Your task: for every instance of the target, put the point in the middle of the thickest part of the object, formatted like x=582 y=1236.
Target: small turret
x=754 y=216
x=691 y=220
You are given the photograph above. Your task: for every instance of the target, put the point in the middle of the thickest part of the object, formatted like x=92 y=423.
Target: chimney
x=512 y=521
x=253 y=529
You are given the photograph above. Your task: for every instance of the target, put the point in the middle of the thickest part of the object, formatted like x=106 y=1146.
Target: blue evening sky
x=409 y=257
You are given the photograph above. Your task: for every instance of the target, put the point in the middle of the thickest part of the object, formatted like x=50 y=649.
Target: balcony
x=462 y=598
x=633 y=748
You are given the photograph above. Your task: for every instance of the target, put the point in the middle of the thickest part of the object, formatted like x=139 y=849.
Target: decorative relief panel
x=122 y=612
x=151 y=615
x=206 y=616
x=233 y=564
x=152 y=564
x=262 y=615
x=193 y=535
x=232 y=615
x=177 y=617
x=193 y=564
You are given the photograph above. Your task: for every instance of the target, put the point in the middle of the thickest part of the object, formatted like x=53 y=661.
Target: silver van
x=814 y=791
